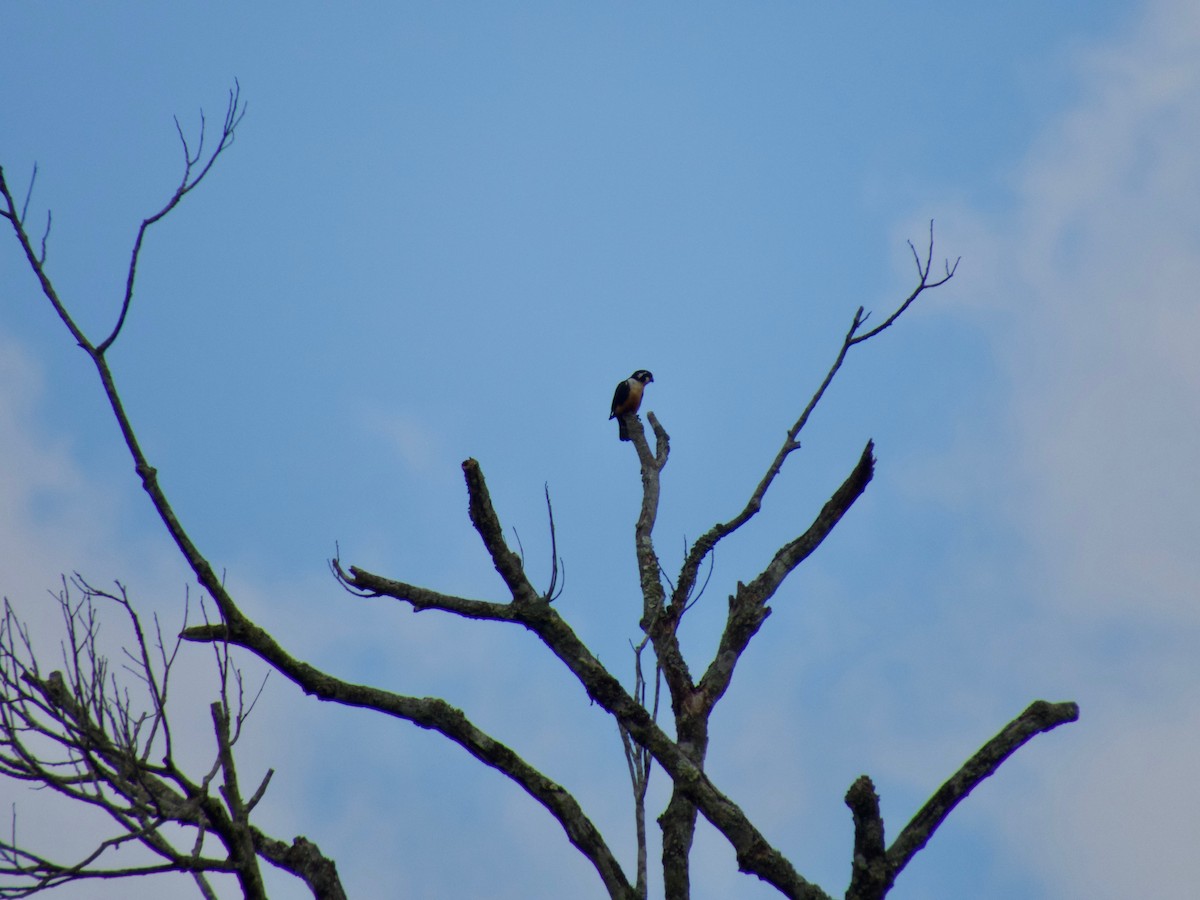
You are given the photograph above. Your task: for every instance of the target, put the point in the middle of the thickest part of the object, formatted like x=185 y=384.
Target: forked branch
x=874 y=871
x=754 y=853
x=195 y=167
x=83 y=733
x=145 y=472
x=748 y=606
x=705 y=544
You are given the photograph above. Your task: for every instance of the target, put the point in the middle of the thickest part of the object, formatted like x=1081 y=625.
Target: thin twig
x=233 y=117
x=28 y=195
x=705 y=544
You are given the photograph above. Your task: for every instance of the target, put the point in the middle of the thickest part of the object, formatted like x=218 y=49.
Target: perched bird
x=627 y=398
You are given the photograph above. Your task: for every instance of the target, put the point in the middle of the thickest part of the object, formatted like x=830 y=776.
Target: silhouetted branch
x=437 y=715
x=748 y=606
x=691 y=703
x=527 y=608
x=553 y=590
x=145 y=472
x=190 y=179
x=640 y=763
x=1040 y=717
x=35 y=261
x=81 y=733
x=103 y=744
x=923 y=284
x=705 y=544
x=240 y=841
x=29 y=194
x=875 y=870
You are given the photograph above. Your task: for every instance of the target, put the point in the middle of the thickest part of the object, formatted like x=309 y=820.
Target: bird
x=627 y=398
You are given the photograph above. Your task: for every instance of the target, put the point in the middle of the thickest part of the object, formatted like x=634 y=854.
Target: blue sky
x=448 y=230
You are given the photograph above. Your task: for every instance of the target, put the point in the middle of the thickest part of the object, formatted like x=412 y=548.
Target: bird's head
x=643 y=376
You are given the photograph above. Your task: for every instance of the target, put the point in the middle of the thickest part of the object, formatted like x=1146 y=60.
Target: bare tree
x=80 y=732
x=679 y=750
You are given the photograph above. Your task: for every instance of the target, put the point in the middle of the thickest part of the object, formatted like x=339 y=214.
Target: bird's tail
x=622 y=428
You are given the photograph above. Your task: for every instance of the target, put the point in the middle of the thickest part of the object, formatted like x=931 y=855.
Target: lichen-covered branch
x=870 y=875
x=874 y=870
x=693 y=704
x=1041 y=716
x=748 y=606
x=528 y=608
x=436 y=715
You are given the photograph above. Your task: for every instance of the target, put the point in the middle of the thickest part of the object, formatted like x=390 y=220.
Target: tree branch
x=100 y=736
x=241 y=841
x=658 y=622
x=241 y=631
x=233 y=117
x=367 y=584
x=705 y=544
x=36 y=264
x=78 y=733
x=640 y=764
x=487 y=524
x=146 y=473
x=1040 y=717
x=923 y=284
x=754 y=853
x=871 y=877
x=748 y=606
x=436 y=715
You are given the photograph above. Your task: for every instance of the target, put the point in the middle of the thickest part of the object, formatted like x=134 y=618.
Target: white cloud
x=414 y=442
x=1095 y=279
x=44 y=503
x=1108 y=386
x=54 y=520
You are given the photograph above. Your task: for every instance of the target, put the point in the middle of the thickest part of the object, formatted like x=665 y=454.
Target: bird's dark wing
x=619 y=397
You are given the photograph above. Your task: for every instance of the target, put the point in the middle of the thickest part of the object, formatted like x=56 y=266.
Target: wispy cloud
x=1094 y=275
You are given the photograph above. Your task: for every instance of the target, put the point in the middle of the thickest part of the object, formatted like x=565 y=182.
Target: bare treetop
x=110 y=752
